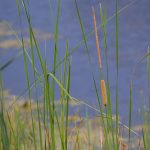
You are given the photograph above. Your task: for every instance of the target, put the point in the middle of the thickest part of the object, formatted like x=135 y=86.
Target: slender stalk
x=130 y=113
x=117 y=67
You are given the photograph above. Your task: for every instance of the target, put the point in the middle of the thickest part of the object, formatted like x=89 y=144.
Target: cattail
x=97 y=39
x=103 y=92
x=139 y=145
x=124 y=147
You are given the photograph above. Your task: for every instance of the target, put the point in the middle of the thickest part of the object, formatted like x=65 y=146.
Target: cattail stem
x=97 y=39
x=139 y=144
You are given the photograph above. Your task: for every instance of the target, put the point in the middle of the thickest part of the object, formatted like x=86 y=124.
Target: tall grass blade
x=144 y=141
x=130 y=113
x=67 y=99
x=4 y=132
x=3 y=127
x=83 y=33
x=40 y=126
x=9 y=62
x=117 y=117
x=148 y=76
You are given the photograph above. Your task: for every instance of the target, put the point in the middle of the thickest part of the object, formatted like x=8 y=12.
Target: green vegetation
x=47 y=124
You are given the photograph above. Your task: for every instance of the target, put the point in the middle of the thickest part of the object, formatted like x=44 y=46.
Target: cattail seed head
x=103 y=92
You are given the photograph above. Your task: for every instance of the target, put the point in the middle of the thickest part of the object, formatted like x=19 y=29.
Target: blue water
x=134 y=32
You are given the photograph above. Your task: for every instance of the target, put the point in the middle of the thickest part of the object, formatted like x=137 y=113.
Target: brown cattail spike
x=97 y=39
x=124 y=147
x=103 y=92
